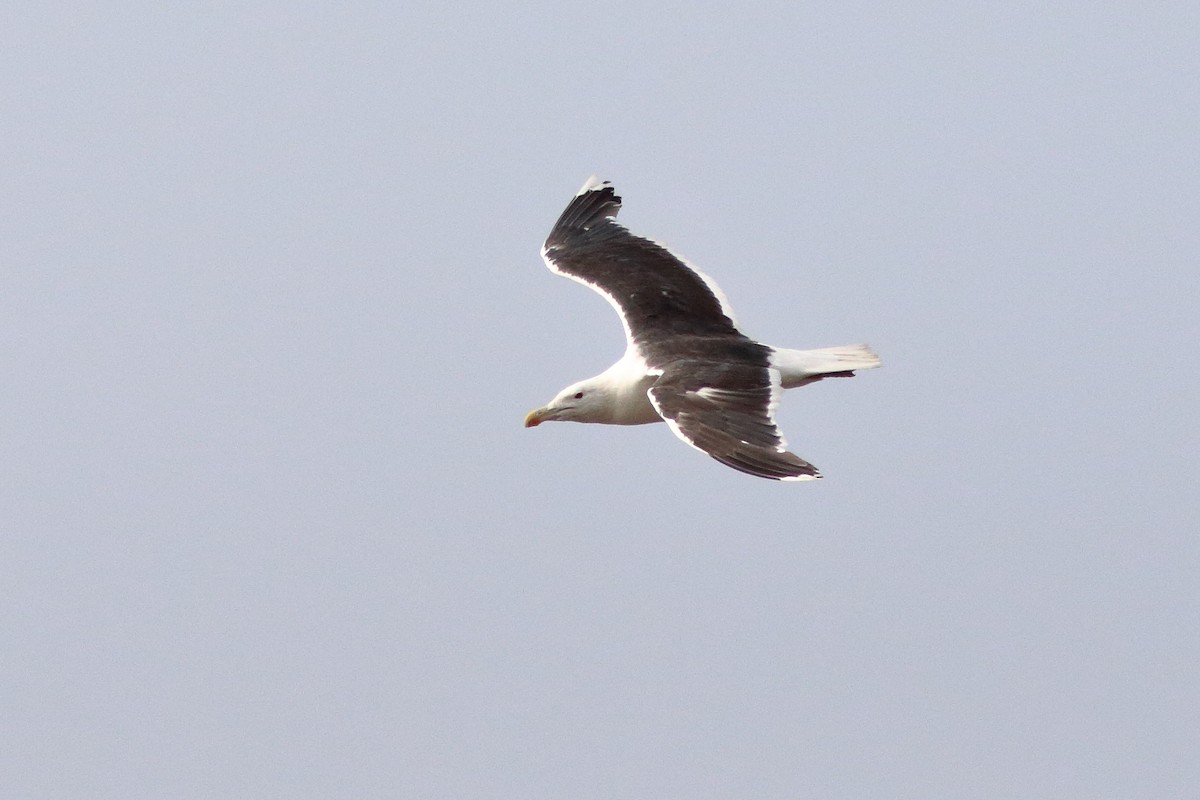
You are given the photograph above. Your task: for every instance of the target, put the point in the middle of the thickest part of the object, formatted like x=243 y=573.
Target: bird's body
x=685 y=363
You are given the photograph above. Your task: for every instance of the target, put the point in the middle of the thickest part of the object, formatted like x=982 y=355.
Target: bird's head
x=585 y=401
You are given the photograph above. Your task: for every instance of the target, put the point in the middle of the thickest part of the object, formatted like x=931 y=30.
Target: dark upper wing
x=728 y=411
x=654 y=291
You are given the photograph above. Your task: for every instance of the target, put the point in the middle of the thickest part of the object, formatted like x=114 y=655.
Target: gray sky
x=273 y=310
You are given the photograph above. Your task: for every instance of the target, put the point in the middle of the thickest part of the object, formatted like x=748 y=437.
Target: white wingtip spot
x=593 y=183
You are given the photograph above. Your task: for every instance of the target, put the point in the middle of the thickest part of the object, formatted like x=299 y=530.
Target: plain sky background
x=272 y=310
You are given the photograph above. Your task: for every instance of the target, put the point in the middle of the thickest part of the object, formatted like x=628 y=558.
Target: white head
x=586 y=401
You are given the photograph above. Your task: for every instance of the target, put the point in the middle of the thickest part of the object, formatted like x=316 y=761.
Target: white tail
x=798 y=367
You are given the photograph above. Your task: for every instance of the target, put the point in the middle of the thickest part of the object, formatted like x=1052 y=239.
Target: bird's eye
x=579 y=395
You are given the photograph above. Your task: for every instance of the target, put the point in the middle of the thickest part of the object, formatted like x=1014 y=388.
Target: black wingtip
x=771 y=465
x=594 y=203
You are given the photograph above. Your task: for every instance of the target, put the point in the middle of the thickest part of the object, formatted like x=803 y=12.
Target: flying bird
x=686 y=363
